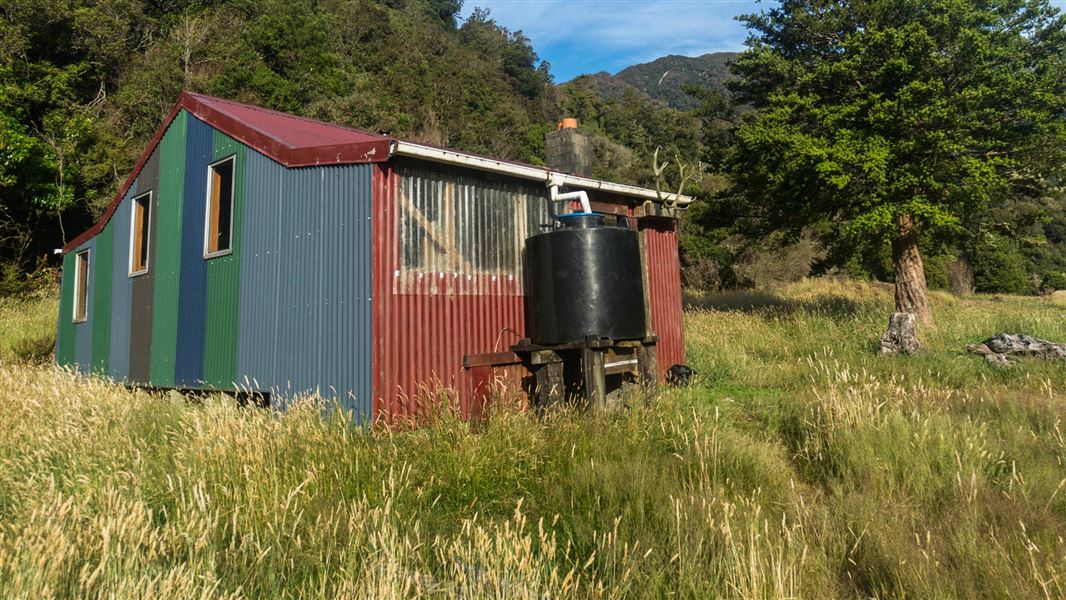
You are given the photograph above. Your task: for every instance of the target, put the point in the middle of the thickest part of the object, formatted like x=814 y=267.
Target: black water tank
x=585 y=280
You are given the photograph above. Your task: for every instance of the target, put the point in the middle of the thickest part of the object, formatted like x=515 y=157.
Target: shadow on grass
x=830 y=305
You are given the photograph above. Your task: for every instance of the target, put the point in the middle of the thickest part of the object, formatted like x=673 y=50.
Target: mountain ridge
x=665 y=78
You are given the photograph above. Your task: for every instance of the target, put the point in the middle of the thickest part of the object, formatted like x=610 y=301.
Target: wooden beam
x=490 y=359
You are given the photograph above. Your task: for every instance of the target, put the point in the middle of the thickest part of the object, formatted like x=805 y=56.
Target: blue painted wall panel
x=258 y=314
x=83 y=332
x=121 y=289
x=192 y=291
x=345 y=316
x=305 y=310
x=299 y=285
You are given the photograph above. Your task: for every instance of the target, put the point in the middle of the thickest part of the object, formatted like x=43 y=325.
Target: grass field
x=800 y=463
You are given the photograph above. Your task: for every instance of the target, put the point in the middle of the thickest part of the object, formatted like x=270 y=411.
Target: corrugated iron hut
x=250 y=248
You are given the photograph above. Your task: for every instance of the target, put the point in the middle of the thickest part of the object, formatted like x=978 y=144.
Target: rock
x=902 y=334
x=1003 y=348
x=679 y=375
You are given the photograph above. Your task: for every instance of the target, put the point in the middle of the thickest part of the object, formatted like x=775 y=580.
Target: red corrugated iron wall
x=425 y=324
x=420 y=338
x=664 y=278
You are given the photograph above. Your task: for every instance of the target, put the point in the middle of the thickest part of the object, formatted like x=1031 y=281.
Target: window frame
x=147 y=234
x=208 y=254
x=81 y=288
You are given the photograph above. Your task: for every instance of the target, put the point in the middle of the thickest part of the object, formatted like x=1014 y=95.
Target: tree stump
x=902 y=335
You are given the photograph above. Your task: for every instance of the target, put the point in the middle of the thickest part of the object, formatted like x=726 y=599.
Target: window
x=81 y=286
x=464 y=224
x=218 y=229
x=142 y=218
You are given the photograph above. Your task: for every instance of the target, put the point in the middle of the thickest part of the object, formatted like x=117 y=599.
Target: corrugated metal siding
x=167 y=230
x=304 y=315
x=143 y=286
x=83 y=332
x=664 y=277
x=65 y=324
x=344 y=323
x=192 y=286
x=260 y=242
x=462 y=233
x=223 y=281
x=121 y=289
x=101 y=322
x=299 y=274
x=420 y=338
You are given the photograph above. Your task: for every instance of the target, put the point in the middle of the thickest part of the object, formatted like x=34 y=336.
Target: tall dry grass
x=800 y=464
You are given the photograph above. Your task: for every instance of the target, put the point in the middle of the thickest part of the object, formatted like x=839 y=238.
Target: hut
x=254 y=250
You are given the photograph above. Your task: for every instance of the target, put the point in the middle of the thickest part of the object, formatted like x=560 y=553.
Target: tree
x=897 y=118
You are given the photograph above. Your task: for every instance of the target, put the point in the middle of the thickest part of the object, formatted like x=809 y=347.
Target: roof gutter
x=548 y=177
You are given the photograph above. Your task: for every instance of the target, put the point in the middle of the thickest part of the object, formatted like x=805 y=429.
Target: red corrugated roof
x=293 y=141
x=290 y=140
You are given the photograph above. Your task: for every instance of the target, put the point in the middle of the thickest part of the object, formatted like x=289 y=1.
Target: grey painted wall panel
x=121 y=289
x=345 y=317
x=305 y=318
x=299 y=282
x=257 y=314
x=83 y=332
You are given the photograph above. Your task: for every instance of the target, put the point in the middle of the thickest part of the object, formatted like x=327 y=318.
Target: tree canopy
x=893 y=118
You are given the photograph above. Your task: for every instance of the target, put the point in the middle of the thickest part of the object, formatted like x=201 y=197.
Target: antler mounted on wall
x=660 y=169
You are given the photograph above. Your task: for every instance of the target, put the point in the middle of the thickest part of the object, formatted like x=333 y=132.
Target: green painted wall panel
x=101 y=331
x=223 y=282
x=168 y=252
x=65 y=329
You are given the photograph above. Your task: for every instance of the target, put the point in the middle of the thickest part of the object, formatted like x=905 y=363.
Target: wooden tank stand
x=572 y=369
x=596 y=359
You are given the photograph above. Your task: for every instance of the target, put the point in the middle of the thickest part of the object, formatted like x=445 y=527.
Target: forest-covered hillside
x=84 y=84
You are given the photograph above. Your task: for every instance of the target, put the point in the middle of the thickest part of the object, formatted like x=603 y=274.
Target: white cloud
x=590 y=35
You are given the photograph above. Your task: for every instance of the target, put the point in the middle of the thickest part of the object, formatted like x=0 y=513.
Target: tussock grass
x=799 y=464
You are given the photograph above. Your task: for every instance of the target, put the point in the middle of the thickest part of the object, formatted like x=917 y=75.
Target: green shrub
x=936 y=270
x=998 y=265
x=14 y=282
x=34 y=350
x=1054 y=281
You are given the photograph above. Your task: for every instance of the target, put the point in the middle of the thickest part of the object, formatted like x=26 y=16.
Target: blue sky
x=586 y=36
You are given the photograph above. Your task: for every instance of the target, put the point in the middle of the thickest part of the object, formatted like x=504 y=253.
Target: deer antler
x=681 y=166
x=659 y=170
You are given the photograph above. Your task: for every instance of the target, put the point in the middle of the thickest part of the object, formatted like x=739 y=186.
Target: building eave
x=530 y=172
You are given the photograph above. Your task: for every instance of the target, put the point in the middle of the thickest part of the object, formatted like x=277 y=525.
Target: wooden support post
x=649 y=371
x=649 y=329
x=595 y=380
x=551 y=389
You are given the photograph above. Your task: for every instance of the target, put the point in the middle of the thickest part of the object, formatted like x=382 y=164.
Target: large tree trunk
x=912 y=293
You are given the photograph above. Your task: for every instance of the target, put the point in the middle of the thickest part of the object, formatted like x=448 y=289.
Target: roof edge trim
x=547 y=176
